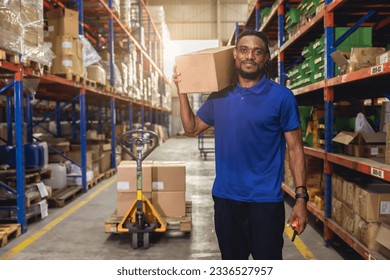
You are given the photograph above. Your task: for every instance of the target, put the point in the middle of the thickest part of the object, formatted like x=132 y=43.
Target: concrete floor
x=76 y=231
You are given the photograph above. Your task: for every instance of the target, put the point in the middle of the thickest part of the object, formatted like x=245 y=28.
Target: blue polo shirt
x=249 y=139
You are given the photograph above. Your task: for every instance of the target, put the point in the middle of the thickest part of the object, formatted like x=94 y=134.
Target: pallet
x=9 y=56
x=109 y=173
x=71 y=77
x=179 y=224
x=8 y=232
x=61 y=197
x=95 y=181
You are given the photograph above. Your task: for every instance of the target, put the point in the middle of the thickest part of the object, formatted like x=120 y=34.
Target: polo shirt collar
x=255 y=89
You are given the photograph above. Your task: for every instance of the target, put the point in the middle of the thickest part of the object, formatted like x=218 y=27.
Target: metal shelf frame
x=331 y=88
x=68 y=93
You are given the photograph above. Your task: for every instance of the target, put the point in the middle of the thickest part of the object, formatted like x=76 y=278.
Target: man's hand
x=300 y=213
x=176 y=78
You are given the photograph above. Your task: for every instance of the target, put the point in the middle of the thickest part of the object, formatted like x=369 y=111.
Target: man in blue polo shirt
x=253 y=121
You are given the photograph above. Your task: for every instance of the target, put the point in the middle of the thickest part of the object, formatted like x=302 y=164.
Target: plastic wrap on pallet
x=32 y=28
x=117 y=75
x=10 y=26
x=125 y=6
x=90 y=55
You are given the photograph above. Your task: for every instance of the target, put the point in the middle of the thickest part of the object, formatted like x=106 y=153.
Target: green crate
x=361 y=38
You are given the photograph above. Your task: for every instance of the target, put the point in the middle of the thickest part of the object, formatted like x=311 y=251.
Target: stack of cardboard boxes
x=360 y=208
x=62 y=33
x=163 y=183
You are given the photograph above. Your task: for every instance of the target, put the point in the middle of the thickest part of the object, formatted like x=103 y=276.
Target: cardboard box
x=169 y=204
x=383 y=238
x=372 y=202
x=62 y=22
x=383 y=58
x=369 y=145
x=364 y=57
x=206 y=71
x=125 y=199
x=169 y=176
x=127 y=176
x=366 y=232
x=97 y=73
x=69 y=55
x=76 y=157
x=105 y=162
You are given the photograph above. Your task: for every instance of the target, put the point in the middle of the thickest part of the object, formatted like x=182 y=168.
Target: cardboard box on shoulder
x=209 y=70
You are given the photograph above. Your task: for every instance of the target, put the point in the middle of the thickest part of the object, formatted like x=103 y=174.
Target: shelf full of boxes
x=74 y=77
x=334 y=55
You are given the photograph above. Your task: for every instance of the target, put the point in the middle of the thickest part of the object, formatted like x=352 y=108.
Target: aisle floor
x=76 y=231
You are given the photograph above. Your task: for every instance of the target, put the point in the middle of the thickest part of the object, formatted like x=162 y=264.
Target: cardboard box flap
x=370 y=138
x=348 y=137
x=345 y=137
x=339 y=58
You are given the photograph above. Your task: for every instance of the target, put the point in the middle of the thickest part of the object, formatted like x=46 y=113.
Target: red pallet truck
x=142 y=218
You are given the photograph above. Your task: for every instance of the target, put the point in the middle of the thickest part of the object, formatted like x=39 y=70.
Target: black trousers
x=249 y=228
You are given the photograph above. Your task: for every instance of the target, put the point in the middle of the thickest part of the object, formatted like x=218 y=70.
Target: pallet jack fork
x=142 y=218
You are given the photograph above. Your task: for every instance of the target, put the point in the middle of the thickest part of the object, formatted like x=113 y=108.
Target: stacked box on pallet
x=63 y=34
x=21 y=30
x=163 y=183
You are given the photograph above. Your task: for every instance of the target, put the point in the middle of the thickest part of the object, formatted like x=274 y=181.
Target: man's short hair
x=259 y=34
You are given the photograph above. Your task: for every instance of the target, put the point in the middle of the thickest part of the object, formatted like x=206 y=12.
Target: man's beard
x=250 y=75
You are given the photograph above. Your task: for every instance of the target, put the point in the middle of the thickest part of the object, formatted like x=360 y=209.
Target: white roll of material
x=58 y=176
x=362 y=125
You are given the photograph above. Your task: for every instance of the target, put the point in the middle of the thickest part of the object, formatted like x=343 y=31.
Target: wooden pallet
x=9 y=56
x=71 y=77
x=180 y=224
x=8 y=232
x=109 y=173
x=95 y=181
x=61 y=197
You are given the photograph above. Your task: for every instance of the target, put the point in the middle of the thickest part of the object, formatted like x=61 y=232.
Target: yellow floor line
x=305 y=252
x=21 y=246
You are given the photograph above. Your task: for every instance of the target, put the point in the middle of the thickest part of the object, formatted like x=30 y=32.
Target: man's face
x=250 y=57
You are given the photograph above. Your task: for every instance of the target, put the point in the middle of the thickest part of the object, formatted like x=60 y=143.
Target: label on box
x=67 y=45
x=42 y=189
x=158 y=186
x=123 y=186
x=67 y=63
x=374 y=151
x=50 y=28
x=385 y=208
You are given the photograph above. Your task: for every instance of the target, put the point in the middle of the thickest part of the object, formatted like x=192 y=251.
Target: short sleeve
x=289 y=112
x=206 y=112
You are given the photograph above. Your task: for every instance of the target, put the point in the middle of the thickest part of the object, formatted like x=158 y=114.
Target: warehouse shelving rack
x=367 y=83
x=102 y=27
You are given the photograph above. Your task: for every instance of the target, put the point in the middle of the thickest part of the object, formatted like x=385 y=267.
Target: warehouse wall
x=198 y=19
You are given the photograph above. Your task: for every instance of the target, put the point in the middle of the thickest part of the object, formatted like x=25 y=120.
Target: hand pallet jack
x=142 y=218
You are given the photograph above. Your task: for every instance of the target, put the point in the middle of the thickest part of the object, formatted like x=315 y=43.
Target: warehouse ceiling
x=202 y=19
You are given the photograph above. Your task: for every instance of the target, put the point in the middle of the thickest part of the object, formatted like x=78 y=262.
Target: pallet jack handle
x=139 y=138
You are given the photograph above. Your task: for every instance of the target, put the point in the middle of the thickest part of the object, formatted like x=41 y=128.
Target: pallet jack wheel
x=134 y=240
x=146 y=240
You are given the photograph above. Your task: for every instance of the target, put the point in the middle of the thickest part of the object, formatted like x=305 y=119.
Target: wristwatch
x=303 y=195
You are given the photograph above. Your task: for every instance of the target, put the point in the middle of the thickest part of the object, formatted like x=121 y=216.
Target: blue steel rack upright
x=80 y=92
